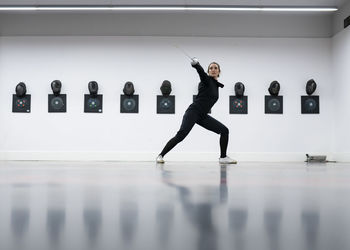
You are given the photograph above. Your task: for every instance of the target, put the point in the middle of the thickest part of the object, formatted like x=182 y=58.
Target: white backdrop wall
x=147 y=61
x=341 y=65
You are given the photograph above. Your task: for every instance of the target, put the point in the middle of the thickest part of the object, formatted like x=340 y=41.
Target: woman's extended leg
x=188 y=121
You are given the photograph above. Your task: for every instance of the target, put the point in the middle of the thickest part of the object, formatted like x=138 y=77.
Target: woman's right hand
x=194 y=61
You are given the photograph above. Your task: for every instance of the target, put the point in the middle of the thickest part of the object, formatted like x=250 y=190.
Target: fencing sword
x=185 y=53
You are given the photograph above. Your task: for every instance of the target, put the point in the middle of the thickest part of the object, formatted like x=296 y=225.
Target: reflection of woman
x=197 y=112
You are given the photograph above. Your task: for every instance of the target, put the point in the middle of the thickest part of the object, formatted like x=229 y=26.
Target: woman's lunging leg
x=188 y=121
x=217 y=127
x=223 y=144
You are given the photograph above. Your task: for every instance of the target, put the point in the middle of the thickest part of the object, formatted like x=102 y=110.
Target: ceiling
x=334 y=3
x=259 y=24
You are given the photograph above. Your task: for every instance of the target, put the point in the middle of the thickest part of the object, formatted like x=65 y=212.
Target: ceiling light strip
x=166 y=8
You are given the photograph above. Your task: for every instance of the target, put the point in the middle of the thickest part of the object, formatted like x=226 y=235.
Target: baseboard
x=342 y=157
x=150 y=156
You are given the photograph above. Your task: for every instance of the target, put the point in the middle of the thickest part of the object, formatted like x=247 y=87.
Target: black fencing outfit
x=197 y=112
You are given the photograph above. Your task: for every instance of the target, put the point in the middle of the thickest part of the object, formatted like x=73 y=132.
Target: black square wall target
x=165 y=104
x=21 y=104
x=129 y=104
x=238 y=105
x=57 y=104
x=194 y=98
x=273 y=104
x=310 y=104
x=93 y=104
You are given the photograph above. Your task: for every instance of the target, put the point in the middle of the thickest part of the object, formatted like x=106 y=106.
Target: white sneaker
x=227 y=160
x=160 y=159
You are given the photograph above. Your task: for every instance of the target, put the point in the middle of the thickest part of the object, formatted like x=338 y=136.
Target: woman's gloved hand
x=194 y=61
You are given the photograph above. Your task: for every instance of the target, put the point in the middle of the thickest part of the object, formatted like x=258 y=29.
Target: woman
x=197 y=112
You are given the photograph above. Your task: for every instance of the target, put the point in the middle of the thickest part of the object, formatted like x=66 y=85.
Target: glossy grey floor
x=108 y=205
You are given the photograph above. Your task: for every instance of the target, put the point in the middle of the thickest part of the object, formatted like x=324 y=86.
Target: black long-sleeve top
x=208 y=91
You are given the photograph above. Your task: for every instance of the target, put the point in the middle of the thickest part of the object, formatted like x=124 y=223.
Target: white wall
x=341 y=65
x=147 y=61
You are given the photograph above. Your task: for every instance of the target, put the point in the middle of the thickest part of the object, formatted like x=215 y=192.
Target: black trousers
x=190 y=118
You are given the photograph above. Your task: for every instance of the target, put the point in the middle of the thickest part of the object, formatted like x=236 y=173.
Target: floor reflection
x=56 y=219
x=165 y=222
x=92 y=214
x=56 y=214
x=179 y=206
x=92 y=223
x=223 y=183
x=20 y=222
x=20 y=212
x=199 y=214
x=272 y=222
x=128 y=221
x=310 y=221
x=237 y=224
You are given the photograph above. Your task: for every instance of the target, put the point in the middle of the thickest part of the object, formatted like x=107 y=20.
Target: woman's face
x=214 y=70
